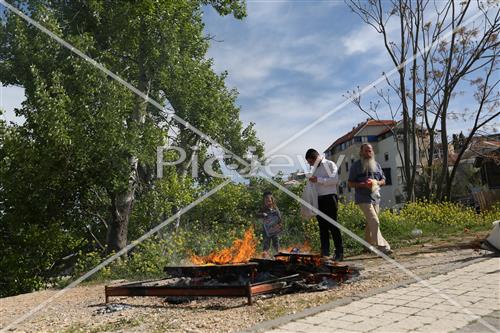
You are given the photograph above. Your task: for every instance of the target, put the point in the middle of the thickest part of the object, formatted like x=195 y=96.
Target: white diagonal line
x=369 y=86
x=117 y=78
x=381 y=254
x=109 y=260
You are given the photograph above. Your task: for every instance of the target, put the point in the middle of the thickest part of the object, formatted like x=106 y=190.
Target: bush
x=145 y=261
x=445 y=217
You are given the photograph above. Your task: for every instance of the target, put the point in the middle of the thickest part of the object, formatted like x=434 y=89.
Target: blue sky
x=291 y=62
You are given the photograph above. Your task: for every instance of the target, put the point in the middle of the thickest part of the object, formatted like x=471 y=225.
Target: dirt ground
x=81 y=309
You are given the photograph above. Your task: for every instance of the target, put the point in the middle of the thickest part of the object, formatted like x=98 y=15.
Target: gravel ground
x=81 y=309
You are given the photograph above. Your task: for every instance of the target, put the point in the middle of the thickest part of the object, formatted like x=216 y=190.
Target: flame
x=241 y=251
x=304 y=248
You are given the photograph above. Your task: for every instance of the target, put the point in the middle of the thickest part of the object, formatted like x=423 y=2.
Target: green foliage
x=63 y=172
x=445 y=214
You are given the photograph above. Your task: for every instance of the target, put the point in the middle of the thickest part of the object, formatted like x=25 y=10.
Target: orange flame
x=304 y=248
x=241 y=251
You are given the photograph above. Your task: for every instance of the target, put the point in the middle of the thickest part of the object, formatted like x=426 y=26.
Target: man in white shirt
x=326 y=178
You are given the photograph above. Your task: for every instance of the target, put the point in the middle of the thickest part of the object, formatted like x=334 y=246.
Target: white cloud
x=272 y=43
x=362 y=40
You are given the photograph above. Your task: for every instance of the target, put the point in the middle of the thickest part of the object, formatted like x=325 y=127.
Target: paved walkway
x=416 y=308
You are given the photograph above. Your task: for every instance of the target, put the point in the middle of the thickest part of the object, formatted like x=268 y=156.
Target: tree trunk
x=446 y=100
x=122 y=202
x=118 y=228
x=443 y=179
x=414 y=34
x=430 y=166
x=406 y=117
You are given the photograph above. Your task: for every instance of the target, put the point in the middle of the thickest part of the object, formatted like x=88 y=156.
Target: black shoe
x=388 y=252
x=339 y=257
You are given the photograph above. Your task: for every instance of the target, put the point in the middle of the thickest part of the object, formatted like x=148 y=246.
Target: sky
x=291 y=62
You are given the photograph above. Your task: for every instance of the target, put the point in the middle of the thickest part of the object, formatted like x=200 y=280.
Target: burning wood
x=303 y=258
x=299 y=248
x=219 y=272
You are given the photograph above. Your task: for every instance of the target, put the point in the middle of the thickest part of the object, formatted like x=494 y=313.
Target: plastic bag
x=310 y=195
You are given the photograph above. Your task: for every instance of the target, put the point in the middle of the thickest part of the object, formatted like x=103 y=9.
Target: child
x=271 y=221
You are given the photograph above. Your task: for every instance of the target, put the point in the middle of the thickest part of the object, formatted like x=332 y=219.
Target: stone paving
x=417 y=308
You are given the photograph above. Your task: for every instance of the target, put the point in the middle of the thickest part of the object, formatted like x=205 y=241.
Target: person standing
x=366 y=177
x=326 y=178
x=272 y=224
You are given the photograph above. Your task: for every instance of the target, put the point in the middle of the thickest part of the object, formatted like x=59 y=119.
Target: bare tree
x=438 y=50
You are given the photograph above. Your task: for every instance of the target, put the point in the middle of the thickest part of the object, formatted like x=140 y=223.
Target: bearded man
x=366 y=177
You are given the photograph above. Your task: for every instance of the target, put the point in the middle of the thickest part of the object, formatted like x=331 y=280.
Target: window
x=339 y=171
x=387 y=174
x=346 y=166
x=357 y=139
x=386 y=157
x=364 y=139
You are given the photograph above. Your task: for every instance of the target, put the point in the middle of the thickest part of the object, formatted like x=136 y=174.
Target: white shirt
x=328 y=177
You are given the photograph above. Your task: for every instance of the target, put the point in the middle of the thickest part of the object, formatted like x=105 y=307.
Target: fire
x=301 y=253
x=241 y=251
x=303 y=248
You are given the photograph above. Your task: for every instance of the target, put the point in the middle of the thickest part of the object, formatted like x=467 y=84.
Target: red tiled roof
x=371 y=122
x=490 y=144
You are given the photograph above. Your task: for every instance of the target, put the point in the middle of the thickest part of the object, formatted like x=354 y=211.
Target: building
x=486 y=156
x=297 y=175
x=380 y=134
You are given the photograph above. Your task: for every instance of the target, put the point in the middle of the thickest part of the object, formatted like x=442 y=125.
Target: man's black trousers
x=328 y=204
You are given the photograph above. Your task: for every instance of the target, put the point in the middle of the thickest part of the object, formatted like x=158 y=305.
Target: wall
x=389 y=193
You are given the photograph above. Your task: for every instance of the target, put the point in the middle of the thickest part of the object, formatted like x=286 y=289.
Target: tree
x=87 y=151
x=436 y=54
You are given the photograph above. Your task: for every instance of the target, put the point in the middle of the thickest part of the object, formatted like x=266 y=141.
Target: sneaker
x=339 y=257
